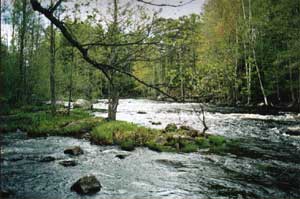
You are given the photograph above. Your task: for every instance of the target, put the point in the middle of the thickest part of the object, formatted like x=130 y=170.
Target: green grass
x=38 y=121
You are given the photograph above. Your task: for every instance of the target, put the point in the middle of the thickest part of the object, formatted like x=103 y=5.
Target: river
x=269 y=167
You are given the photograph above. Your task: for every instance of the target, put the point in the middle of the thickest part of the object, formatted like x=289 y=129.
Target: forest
x=241 y=52
x=220 y=83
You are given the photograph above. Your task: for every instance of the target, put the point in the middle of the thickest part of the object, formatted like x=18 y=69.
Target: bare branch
x=55 y=6
x=119 y=44
x=105 y=68
x=164 y=4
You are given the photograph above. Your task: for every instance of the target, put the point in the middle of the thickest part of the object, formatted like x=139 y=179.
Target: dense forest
x=241 y=52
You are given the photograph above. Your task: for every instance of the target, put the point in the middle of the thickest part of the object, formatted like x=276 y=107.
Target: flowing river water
x=268 y=167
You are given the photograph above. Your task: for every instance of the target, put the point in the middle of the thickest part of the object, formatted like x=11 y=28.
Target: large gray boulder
x=87 y=185
x=82 y=103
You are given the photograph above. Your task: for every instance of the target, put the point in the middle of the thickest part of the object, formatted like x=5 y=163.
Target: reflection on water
x=267 y=166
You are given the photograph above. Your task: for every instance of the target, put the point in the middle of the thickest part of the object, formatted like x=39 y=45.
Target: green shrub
x=216 y=140
x=189 y=147
x=159 y=148
x=128 y=145
x=202 y=142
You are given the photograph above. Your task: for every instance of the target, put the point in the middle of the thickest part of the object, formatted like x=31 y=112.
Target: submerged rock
x=47 y=159
x=156 y=123
x=122 y=156
x=173 y=163
x=171 y=128
x=87 y=185
x=295 y=131
x=142 y=112
x=68 y=163
x=74 y=151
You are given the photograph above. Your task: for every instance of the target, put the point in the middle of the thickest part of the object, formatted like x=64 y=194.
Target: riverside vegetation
x=38 y=121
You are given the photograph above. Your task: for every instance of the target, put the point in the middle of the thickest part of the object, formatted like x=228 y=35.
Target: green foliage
x=189 y=147
x=128 y=145
x=202 y=142
x=216 y=140
x=159 y=148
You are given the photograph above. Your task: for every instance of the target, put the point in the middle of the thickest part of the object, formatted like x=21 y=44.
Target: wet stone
x=122 y=156
x=87 y=185
x=74 y=151
x=68 y=163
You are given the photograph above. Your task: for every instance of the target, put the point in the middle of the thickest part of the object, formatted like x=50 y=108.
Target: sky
x=194 y=7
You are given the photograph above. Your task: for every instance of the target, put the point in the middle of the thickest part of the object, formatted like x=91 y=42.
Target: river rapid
x=267 y=167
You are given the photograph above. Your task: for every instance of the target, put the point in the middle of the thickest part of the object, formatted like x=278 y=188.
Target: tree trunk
x=252 y=41
x=113 y=102
x=52 y=68
x=21 y=54
x=248 y=67
x=71 y=83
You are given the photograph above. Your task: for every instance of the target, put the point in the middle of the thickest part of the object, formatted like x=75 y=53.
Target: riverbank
x=38 y=122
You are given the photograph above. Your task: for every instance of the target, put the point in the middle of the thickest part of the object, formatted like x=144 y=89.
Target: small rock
x=171 y=128
x=122 y=156
x=87 y=185
x=156 y=123
x=68 y=163
x=47 y=159
x=74 y=151
x=141 y=112
x=295 y=131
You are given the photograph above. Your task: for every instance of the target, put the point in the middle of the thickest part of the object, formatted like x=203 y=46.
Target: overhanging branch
x=84 y=51
x=165 y=4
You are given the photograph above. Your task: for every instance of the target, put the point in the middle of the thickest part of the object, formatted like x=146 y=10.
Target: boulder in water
x=295 y=131
x=74 y=151
x=87 y=185
x=68 y=163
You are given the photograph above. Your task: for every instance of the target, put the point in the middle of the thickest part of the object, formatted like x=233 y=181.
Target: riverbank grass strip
x=124 y=134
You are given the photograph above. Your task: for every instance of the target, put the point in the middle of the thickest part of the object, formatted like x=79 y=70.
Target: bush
x=202 y=142
x=128 y=145
x=159 y=148
x=189 y=147
x=216 y=140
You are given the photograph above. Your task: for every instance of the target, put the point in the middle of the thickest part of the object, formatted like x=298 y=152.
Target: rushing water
x=269 y=167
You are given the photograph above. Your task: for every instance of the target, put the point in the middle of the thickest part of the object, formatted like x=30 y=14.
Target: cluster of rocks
x=85 y=185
